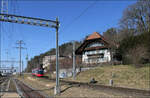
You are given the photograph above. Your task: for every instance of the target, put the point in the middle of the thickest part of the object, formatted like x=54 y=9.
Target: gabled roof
x=94 y=35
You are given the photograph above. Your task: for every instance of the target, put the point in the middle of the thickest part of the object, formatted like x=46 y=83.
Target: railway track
x=26 y=91
x=111 y=89
x=120 y=90
x=2 y=79
x=10 y=87
x=4 y=84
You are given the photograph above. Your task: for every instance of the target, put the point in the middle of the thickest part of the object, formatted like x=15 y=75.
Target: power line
x=20 y=43
x=6 y=51
x=53 y=24
x=84 y=11
x=3 y=9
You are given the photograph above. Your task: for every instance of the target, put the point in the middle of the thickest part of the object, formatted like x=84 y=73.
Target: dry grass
x=38 y=84
x=83 y=92
x=67 y=91
x=123 y=76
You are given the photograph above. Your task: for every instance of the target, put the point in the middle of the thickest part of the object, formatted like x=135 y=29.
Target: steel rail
x=18 y=88
x=122 y=90
x=34 y=89
x=28 y=92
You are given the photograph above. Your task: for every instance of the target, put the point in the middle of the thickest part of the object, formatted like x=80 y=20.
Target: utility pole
x=22 y=69
x=27 y=59
x=12 y=65
x=20 y=42
x=22 y=66
x=57 y=88
x=74 y=61
x=0 y=45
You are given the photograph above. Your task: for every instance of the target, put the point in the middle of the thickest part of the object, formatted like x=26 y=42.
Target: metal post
x=57 y=88
x=22 y=66
x=0 y=54
x=0 y=44
x=20 y=56
x=1 y=33
x=12 y=65
x=74 y=63
x=22 y=70
x=20 y=42
x=27 y=59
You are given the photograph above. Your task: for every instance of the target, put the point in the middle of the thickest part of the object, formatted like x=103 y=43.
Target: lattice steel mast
x=37 y=22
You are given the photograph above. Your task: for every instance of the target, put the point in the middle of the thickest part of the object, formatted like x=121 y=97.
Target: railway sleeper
x=26 y=91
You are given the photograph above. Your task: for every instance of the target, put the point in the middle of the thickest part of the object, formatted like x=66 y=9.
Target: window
x=95 y=44
x=40 y=71
x=101 y=55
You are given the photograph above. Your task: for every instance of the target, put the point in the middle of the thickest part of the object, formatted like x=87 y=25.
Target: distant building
x=94 y=49
x=47 y=61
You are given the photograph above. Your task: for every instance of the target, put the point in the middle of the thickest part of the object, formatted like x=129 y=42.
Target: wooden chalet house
x=94 y=49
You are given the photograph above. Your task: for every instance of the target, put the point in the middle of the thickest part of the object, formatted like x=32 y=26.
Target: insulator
x=2 y=17
x=22 y=20
x=9 y=17
x=16 y=19
x=34 y=22
x=47 y=24
x=40 y=22
x=28 y=21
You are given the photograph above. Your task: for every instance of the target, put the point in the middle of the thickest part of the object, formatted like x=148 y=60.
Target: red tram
x=38 y=72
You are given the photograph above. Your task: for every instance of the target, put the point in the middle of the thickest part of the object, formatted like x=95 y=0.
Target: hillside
x=123 y=76
x=64 y=50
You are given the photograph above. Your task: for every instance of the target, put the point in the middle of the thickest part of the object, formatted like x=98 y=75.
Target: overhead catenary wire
x=3 y=9
x=81 y=14
x=5 y=32
x=20 y=43
x=14 y=29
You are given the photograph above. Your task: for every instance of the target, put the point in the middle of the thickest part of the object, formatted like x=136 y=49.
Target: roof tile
x=94 y=35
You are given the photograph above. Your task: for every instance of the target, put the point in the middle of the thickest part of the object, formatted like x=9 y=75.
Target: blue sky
x=101 y=16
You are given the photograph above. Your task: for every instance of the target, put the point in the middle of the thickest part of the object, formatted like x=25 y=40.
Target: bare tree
x=136 y=18
x=111 y=35
x=137 y=55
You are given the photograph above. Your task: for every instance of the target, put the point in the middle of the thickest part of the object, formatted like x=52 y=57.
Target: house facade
x=94 y=49
x=47 y=61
